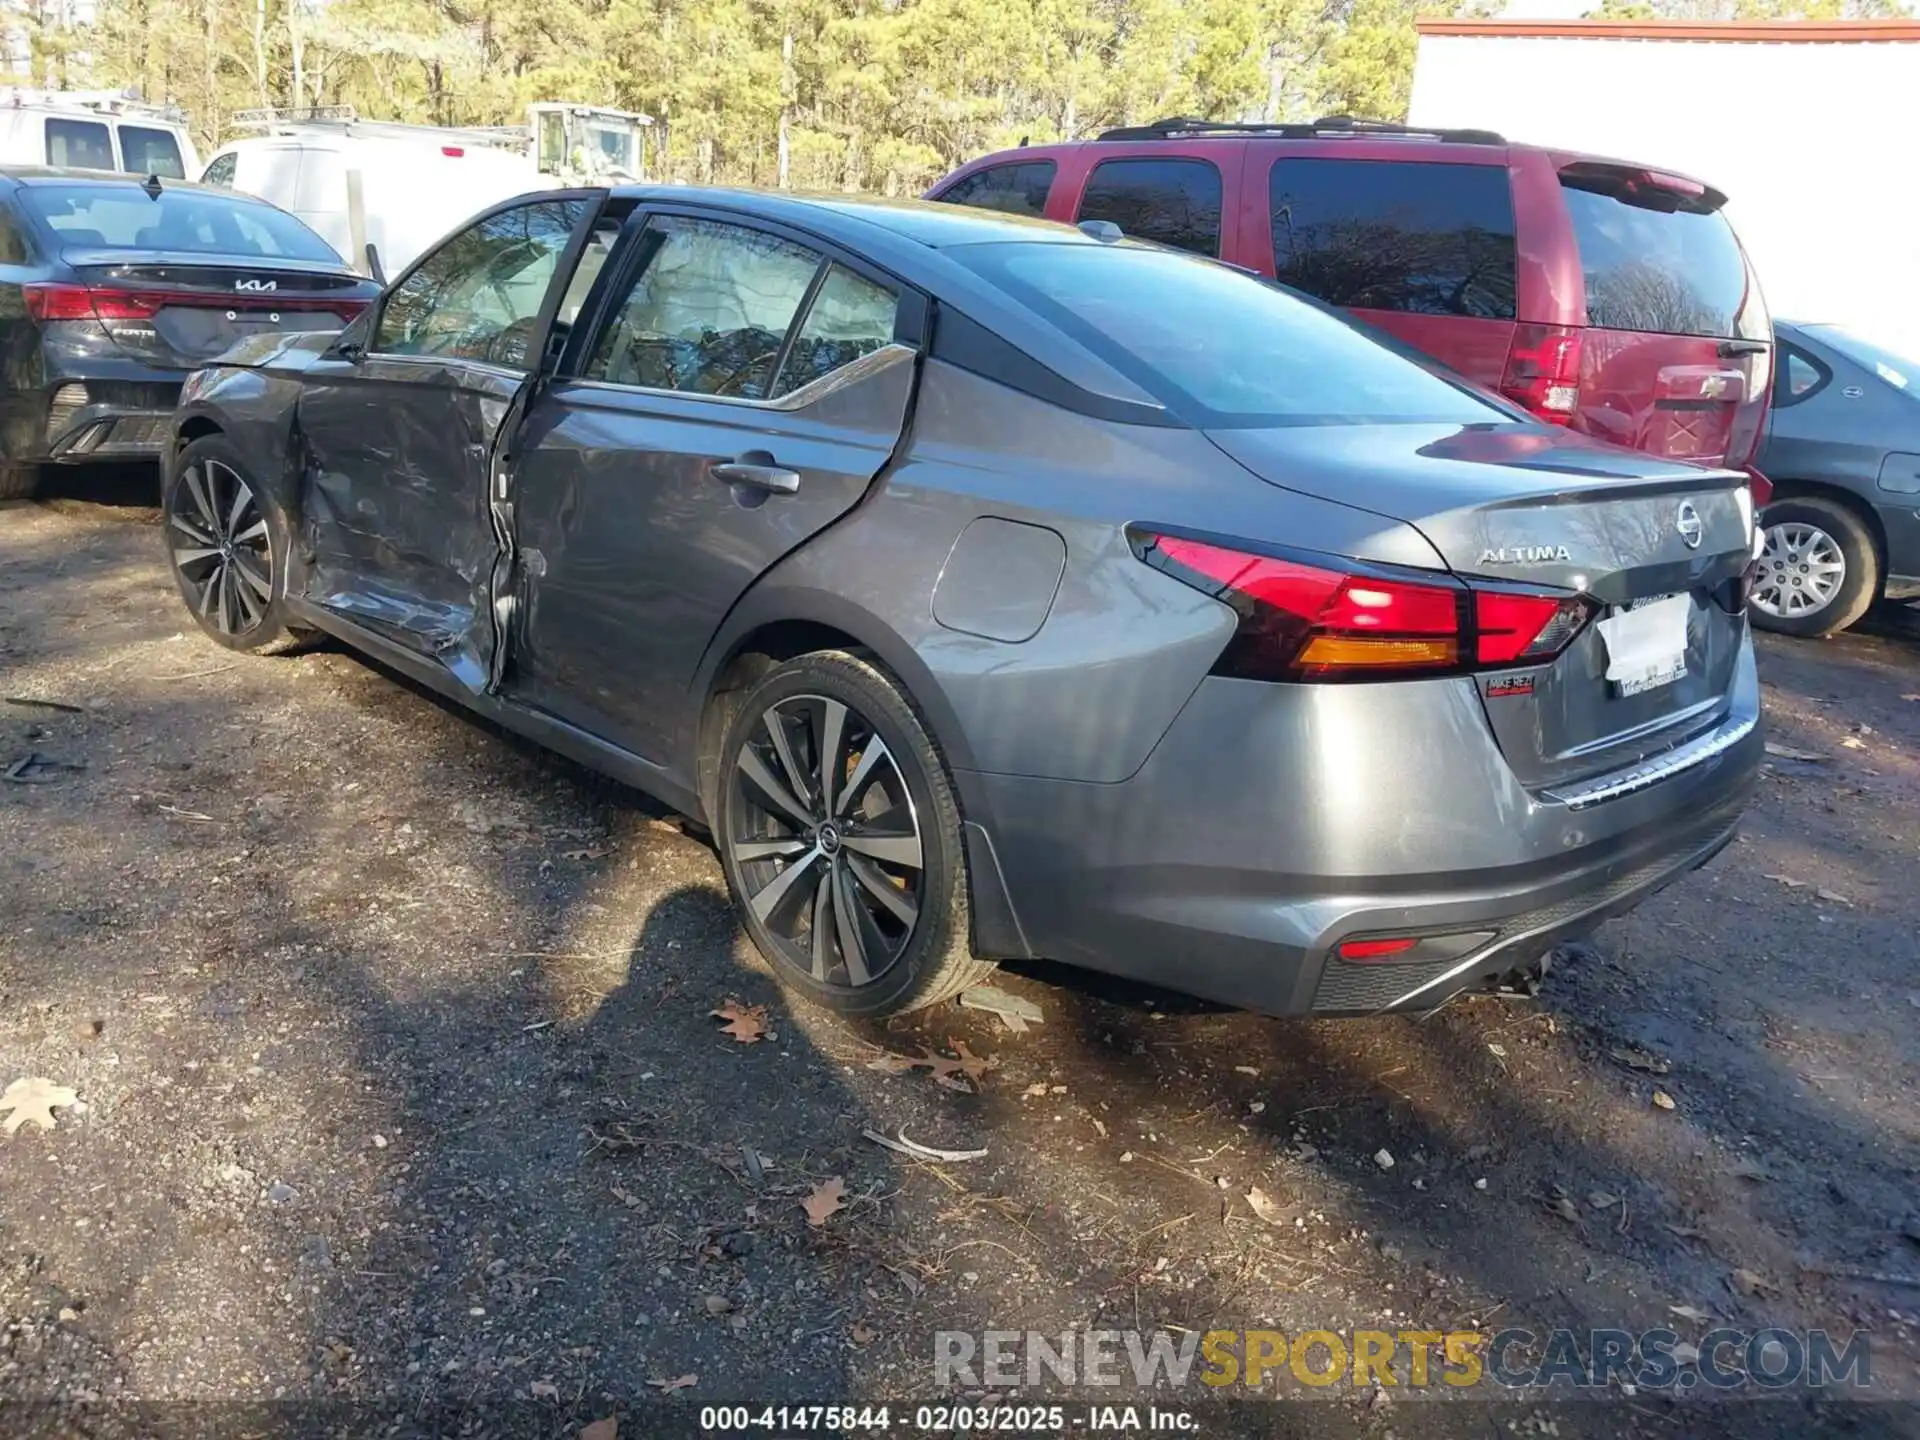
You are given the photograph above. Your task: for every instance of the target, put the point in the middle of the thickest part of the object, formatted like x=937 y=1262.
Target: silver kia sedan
x=993 y=590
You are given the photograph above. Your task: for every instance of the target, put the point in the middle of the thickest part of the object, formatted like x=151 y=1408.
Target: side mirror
x=374 y=267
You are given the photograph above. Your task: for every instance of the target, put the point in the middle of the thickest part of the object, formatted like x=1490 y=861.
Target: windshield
x=1221 y=346
x=1896 y=370
x=124 y=217
x=613 y=148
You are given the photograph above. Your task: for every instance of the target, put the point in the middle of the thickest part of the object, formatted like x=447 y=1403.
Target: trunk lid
x=1677 y=355
x=200 y=305
x=1539 y=508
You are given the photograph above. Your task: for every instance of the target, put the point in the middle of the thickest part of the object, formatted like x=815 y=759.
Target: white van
x=412 y=191
x=94 y=130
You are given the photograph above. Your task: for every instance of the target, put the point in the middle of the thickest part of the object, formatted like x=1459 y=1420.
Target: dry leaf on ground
x=826 y=1198
x=745 y=1023
x=544 y=1390
x=607 y=1429
x=1634 y=1058
x=35 y=1098
x=1264 y=1205
x=679 y=1382
x=1662 y=1100
x=862 y=1333
x=1690 y=1312
x=946 y=1072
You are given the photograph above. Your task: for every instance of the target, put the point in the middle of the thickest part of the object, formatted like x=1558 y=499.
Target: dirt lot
x=398 y=1084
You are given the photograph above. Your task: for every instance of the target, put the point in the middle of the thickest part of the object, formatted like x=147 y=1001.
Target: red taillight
x=348 y=310
x=1761 y=488
x=83 y=302
x=453 y=152
x=1365 y=950
x=1314 y=620
x=1543 y=371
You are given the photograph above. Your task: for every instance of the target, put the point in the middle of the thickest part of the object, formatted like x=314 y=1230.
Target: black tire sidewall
x=1857 y=591
x=272 y=628
x=881 y=703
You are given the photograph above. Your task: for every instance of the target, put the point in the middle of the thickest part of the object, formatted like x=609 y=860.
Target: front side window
x=478 y=296
x=148 y=151
x=1221 y=347
x=79 y=145
x=1170 y=202
x=1019 y=189
x=709 y=310
x=1409 y=236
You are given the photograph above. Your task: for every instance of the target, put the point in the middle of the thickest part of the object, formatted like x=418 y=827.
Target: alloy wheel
x=1801 y=569
x=221 y=546
x=824 y=832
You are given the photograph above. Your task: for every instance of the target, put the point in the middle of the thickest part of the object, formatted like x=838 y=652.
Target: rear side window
x=1667 y=270
x=148 y=151
x=1170 y=202
x=1012 y=189
x=1411 y=236
x=1800 y=377
x=1220 y=347
x=13 y=245
x=79 y=145
x=220 y=172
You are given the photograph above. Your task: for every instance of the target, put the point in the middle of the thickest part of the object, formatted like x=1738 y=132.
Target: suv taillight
x=1323 y=618
x=1543 y=371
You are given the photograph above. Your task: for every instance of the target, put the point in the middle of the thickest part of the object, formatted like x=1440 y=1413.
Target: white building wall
x=1813 y=143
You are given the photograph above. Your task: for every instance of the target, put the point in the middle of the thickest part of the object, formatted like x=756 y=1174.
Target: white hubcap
x=1800 y=571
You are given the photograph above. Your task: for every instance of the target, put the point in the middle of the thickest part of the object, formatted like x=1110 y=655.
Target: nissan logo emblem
x=1687 y=522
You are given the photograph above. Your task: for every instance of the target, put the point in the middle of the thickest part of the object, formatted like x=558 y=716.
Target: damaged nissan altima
x=994 y=590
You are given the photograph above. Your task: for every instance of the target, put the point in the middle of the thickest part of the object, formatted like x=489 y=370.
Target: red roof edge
x=1749 y=31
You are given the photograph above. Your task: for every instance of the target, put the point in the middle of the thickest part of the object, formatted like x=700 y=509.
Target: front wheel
x=226 y=547
x=840 y=837
x=1818 y=571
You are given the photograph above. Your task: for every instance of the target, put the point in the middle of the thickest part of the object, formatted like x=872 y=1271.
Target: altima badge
x=1687 y=522
x=1524 y=555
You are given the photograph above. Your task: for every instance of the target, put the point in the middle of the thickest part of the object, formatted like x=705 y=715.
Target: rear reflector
x=1364 y=950
x=1325 y=618
x=1543 y=372
x=1760 y=487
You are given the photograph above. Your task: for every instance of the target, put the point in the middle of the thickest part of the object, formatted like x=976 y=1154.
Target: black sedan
x=112 y=289
x=1843 y=452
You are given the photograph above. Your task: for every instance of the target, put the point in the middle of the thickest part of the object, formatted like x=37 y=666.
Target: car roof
x=854 y=219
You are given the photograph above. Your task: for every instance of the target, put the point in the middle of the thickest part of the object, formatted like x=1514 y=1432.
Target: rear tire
x=1797 y=591
x=226 y=546
x=18 y=482
x=858 y=898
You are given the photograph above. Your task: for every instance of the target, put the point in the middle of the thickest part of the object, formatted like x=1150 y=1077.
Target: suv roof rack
x=1331 y=127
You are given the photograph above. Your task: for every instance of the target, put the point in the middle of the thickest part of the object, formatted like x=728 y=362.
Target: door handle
x=774 y=479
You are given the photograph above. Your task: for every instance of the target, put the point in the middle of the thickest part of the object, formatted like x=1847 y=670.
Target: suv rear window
x=122 y=217
x=1170 y=202
x=1019 y=189
x=1218 y=346
x=1667 y=270
x=1412 y=236
x=151 y=152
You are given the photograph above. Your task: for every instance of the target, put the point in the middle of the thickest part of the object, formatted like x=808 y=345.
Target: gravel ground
x=398 y=1084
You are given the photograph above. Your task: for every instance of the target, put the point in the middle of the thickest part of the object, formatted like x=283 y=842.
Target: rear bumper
x=111 y=432
x=1272 y=823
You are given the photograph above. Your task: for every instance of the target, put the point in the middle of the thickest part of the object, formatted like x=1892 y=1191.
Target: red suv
x=1609 y=297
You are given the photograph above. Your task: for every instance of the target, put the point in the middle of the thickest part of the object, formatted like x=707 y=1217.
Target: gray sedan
x=990 y=589
x=1843 y=452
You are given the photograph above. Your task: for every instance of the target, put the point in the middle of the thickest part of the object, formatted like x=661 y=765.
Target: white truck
x=390 y=190
x=1803 y=124
x=113 y=130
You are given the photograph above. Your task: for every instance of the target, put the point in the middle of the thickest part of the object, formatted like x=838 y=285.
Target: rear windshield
x=1219 y=346
x=1896 y=370
x=1676 y=272
x=113 y=217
